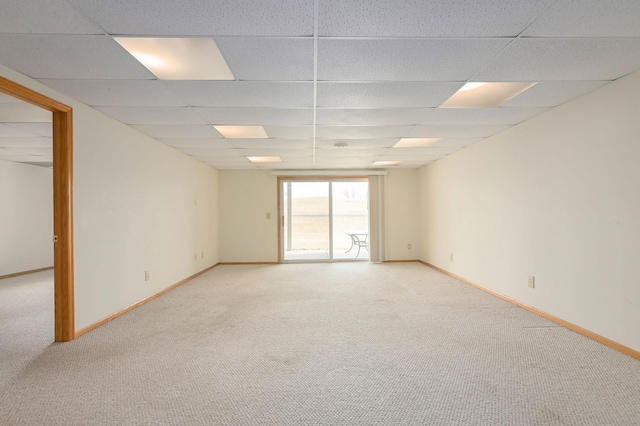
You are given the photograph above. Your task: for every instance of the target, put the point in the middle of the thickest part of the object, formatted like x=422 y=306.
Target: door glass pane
x=306 y=233
x=350 y=220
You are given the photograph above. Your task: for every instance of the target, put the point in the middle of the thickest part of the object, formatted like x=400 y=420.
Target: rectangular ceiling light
x=179 y=58
x=242 y=132
x=416 y=142
x=385 y=163
x=485 y=95
x=264 y=159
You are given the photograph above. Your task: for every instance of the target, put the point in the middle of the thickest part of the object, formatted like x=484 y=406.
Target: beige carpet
x=321 y=344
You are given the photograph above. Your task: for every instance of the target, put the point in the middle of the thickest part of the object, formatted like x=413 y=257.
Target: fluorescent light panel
x=416 y=142
x=242 y=132
x=485 y=95
x=385 y=163
x=179 y=58
x=265 y=159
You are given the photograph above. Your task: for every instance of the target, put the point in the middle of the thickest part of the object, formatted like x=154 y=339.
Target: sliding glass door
x=324 y=220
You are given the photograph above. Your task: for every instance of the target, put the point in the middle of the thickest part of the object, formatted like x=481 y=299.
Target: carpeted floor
x=318 y=344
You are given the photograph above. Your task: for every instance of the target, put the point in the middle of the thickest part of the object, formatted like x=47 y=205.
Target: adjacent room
x=319 y=212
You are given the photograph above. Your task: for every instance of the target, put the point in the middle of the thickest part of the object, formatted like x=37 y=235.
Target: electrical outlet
x=532 y=281
x=409 y=246
x=147 y=275
x=451 y=257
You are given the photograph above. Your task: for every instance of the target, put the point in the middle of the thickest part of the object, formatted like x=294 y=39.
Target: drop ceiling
x=314 y=74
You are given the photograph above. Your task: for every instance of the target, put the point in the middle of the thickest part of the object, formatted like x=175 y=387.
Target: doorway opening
x=62 y=143
x=324 y=220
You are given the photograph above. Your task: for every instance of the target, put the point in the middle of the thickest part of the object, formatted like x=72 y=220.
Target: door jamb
x=62 y=204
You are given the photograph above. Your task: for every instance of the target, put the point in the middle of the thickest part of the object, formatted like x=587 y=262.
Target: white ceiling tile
x=347 y=153
x=361 y=132
x=454 y=131
x=357 y=143
x=178 y=131
x=289 y=132
x=117 y=92
x=533 y=59
x=210 y=152
x=200 y=17
x=23 y=113
x=273 y=143
x=385 y=95
x=30 y=150
x=196 y=143
x=282 y=153
x=420 y=152
x=24 y=141
x=244 y=93
x=553 y=93
x=153 y=115
x=256 y=116
x=404 y=59
x=371 y=117
x=43 y=17
x=416 y=18
x=69 y=57
x=33 y=129
x=253 y=58
x=481 y=115
x=588 y=18
x=6 y=99
x=12 y=131
x=457 y=142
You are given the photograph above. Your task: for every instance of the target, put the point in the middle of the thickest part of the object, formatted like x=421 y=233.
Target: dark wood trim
x=32 y=271
x=97 y=324
x=62 y=204
x=591 y=335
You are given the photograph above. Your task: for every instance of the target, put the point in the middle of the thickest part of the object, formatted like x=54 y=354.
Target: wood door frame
x=62 y=204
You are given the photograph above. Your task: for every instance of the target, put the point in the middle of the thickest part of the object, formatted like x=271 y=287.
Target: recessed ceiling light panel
x=265 y=159
x=385 y=163
x=179 y=58
x=485 y=95
x=416 y=142
x=242 y=132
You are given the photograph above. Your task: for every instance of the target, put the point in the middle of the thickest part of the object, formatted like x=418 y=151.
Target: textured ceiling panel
x=69 y=57
x=23 y=113
x=589 y=18
x=32 y=129
x=481 y=115
x=252 y=58
x=456 y=142
x=162 y=131
x=282 y=153
x=357 y=143
x=385 y=95
x=419 y=18
x=553 y=93
x=153 y=115
x=289 y=132
x=256 y=116
x=564 y=59
x=361 y=132
x=117 y=92
x=6 y=99
x=200 y=17
x=404 y=59
x=454 y=131
x=31 y=150
x=210 y=152
x=243 y=93
x=43 y=17
x=371 y=117
x=272 y=143
x=196 y=143
x=33 y=142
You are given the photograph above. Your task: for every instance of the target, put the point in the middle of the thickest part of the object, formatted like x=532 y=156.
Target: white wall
x=246 y=235
x=556 y=197
x=26 y=217
x=138 y=205
x=401 y=214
